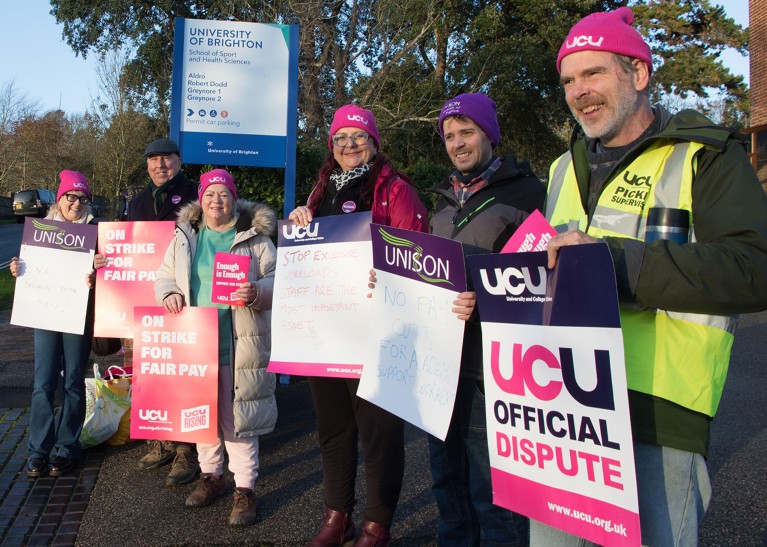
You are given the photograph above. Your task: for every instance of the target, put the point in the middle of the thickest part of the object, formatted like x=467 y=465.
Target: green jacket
x=723 y=272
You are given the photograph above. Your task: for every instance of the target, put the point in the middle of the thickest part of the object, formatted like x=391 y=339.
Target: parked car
x=99 y=206
x=34 y=203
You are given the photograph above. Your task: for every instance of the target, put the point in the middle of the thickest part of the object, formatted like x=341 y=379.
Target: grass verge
x=7 y=285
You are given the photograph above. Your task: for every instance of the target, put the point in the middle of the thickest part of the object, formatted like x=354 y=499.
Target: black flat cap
x=161 y=147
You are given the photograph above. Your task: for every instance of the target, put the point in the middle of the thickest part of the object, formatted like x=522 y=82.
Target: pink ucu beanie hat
x=72 y=180
x=606 y=31
x=216 y=176
x=351 y=115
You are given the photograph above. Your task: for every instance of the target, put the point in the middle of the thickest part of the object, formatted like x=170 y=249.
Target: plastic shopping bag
x=118 y=380
x=107 y=407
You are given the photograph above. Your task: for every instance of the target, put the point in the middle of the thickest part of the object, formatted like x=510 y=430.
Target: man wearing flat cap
x=680 y=209
x=168 y=191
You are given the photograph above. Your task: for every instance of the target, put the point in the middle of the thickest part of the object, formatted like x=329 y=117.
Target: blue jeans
x=460 y=469
x=674 y=492
x=56 y=352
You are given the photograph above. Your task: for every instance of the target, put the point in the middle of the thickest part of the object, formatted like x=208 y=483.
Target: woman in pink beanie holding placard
x=219 y=222
x=356 y=177
x=60 y=354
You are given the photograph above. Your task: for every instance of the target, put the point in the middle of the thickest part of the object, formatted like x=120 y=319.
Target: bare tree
x=14 y=107
x=123 y=131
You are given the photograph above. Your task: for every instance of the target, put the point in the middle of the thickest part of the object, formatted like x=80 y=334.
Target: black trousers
x=342 y=420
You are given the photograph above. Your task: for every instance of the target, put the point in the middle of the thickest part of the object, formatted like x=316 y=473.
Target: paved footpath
x=107 y=501
x=46 y=511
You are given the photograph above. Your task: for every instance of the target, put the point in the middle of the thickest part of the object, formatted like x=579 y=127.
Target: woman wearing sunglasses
x=59 y=354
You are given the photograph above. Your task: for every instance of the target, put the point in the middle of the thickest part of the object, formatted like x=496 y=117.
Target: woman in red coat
x=356 y=177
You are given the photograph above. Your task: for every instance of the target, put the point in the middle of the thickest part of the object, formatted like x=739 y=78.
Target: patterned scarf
x=343 y=178
x=466 y=186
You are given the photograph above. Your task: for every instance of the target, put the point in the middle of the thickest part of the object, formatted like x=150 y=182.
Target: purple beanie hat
x=606 y=31
x=216 y=176
x=72 y=180
x=352 y=115
x=479 y=108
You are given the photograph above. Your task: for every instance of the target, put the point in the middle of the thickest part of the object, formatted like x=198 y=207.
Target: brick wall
x=757 y=13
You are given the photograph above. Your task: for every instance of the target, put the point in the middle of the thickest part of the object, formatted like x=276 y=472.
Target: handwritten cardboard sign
x=321 y=312
x=51 y=291
x=415 y=338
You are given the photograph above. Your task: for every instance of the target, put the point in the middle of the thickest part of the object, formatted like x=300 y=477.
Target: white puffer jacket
x=255 y=407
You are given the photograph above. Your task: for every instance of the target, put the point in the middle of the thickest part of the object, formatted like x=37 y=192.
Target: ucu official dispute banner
x=321 y=311
x=558 y=424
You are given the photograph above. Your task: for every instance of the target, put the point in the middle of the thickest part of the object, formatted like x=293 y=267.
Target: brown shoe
x=159 y=454
x=244 y=509
x=337 y=529
x=207 y=489
x=184 y=469
x=373 y=535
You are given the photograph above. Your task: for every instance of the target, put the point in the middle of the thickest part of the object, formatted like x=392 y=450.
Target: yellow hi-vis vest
x=680 y=357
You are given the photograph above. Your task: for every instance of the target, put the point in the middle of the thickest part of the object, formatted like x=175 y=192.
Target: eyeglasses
x=71 y=198
x=358 y=138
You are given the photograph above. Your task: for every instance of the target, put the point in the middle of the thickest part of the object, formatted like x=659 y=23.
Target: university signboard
x=234 y=94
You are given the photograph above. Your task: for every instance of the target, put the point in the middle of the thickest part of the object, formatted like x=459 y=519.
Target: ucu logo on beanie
x=356 y=118
x=222 y=180
x=580 y=41
x=614 y=33
x=80 y=186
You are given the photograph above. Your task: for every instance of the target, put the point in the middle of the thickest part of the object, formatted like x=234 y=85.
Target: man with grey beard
x=685 y=219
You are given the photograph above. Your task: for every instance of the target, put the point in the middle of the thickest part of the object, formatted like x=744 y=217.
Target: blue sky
x=43 y=66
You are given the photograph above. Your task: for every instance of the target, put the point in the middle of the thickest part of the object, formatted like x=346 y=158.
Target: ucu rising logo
x=580 y=41
x=634 y=180
x=296 y=232
x=356 y=118
x=153 y=415
x=514 y=281
x=218 y=179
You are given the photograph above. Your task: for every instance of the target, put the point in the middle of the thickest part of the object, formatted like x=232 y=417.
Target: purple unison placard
x=421 y=257
x=55 y=234
x=51 y=291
